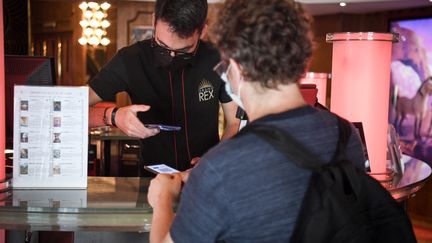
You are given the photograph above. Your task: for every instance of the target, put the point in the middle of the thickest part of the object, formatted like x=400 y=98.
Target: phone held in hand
x=162 y=127
x=160 y=169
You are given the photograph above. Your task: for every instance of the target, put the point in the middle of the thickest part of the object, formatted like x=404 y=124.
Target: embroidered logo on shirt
x=205 y=91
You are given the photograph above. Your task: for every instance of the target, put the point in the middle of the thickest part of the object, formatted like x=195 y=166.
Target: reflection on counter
x=50 y=198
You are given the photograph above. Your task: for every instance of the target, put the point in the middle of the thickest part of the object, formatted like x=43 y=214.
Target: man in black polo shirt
x=170 y=80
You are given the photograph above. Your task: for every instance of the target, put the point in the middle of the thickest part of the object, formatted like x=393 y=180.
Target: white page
x=50 y=137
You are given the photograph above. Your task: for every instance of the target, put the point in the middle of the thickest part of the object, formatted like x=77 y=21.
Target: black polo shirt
x=188 y=98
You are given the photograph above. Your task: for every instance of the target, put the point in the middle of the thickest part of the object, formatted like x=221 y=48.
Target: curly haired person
x=243 y=190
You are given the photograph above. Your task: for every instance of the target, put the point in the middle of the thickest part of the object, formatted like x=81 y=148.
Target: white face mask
x=235 y=97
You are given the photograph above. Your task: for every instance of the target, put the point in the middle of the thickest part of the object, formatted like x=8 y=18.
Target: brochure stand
x=50 y=137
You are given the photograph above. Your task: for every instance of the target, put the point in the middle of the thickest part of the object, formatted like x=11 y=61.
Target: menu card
x=50 y=137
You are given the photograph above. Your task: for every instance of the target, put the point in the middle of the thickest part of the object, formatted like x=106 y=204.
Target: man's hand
x=185 y=174
x=126 y=119
x=164 y=189
x=195 y=161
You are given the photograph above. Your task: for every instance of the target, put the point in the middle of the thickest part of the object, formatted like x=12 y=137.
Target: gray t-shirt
x=243 y=190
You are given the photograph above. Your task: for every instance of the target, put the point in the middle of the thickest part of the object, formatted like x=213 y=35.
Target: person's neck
x=265 y=101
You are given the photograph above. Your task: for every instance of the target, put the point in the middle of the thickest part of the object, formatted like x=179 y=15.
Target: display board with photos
x=50 y=137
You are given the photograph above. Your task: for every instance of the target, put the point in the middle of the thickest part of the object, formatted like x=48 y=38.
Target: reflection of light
x=342 y=4
x=94 y=23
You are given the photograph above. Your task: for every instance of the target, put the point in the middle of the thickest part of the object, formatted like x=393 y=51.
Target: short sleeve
x=111 y=79
x=201 y=215
x=223 y=95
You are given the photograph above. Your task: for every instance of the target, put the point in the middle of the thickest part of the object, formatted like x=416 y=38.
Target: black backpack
x=342 y=203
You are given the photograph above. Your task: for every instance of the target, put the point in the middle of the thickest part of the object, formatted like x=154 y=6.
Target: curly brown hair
x=270 y=39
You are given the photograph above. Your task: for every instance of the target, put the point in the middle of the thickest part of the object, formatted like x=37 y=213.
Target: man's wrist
x=105 y=118
x=113 y=115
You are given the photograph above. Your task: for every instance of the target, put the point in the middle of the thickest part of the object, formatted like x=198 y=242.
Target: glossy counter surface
x=108 y=204
x=120 y=203
x=415 y=174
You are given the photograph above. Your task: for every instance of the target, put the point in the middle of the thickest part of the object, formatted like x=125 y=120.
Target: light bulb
x=83 y=6
x=88 y=31
x=84 y=23
x=105 y=6
x=94 y=23
x=88 y=14
x=342 y=4
x=105 y=41
x=94 y=41
x=99 y=15
x=82 y=41
x=105 y=24
x=99 y=32
x=93 y=5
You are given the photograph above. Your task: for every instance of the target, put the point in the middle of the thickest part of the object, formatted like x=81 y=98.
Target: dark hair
x=184 y=16
x=270 y=39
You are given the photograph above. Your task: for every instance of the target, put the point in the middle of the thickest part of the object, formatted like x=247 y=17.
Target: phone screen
x=162 y=127
x=161 y=169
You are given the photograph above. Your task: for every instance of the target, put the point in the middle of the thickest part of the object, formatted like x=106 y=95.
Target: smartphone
x=160 y=169
x=162 y=127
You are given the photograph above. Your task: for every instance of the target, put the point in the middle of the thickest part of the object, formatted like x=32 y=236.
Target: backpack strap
x=292 y=149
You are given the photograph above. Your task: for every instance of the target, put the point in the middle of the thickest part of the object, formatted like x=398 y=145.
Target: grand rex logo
x=205 y=91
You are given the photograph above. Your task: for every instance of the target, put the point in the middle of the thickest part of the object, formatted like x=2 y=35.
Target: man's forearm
x=230 y=131
x=163 y=216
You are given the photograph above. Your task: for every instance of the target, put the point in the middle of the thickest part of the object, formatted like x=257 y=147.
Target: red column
x=2 y=98
x=2 y=109
x=360 y=86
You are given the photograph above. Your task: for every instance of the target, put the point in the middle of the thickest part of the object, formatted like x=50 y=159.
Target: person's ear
x=204 y=31
x=236 y=70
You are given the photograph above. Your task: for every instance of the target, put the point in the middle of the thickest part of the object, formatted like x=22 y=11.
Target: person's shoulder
x=209 y=52
x=135 y=49
x=233 y=149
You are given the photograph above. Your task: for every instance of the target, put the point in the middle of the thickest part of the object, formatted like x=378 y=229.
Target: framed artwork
x=139 y=33
x=140 y=27
x=410 y=108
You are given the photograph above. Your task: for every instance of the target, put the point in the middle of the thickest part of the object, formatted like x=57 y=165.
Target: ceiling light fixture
x=94 y=22
x=342 y=4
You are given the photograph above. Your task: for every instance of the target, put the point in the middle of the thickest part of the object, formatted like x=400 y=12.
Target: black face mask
x=170 y=63
x=163 y=57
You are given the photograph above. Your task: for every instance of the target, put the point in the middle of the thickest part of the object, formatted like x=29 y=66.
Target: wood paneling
x=375 y=22
x=15 y=27
x=127 y=11
x=55 y=31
